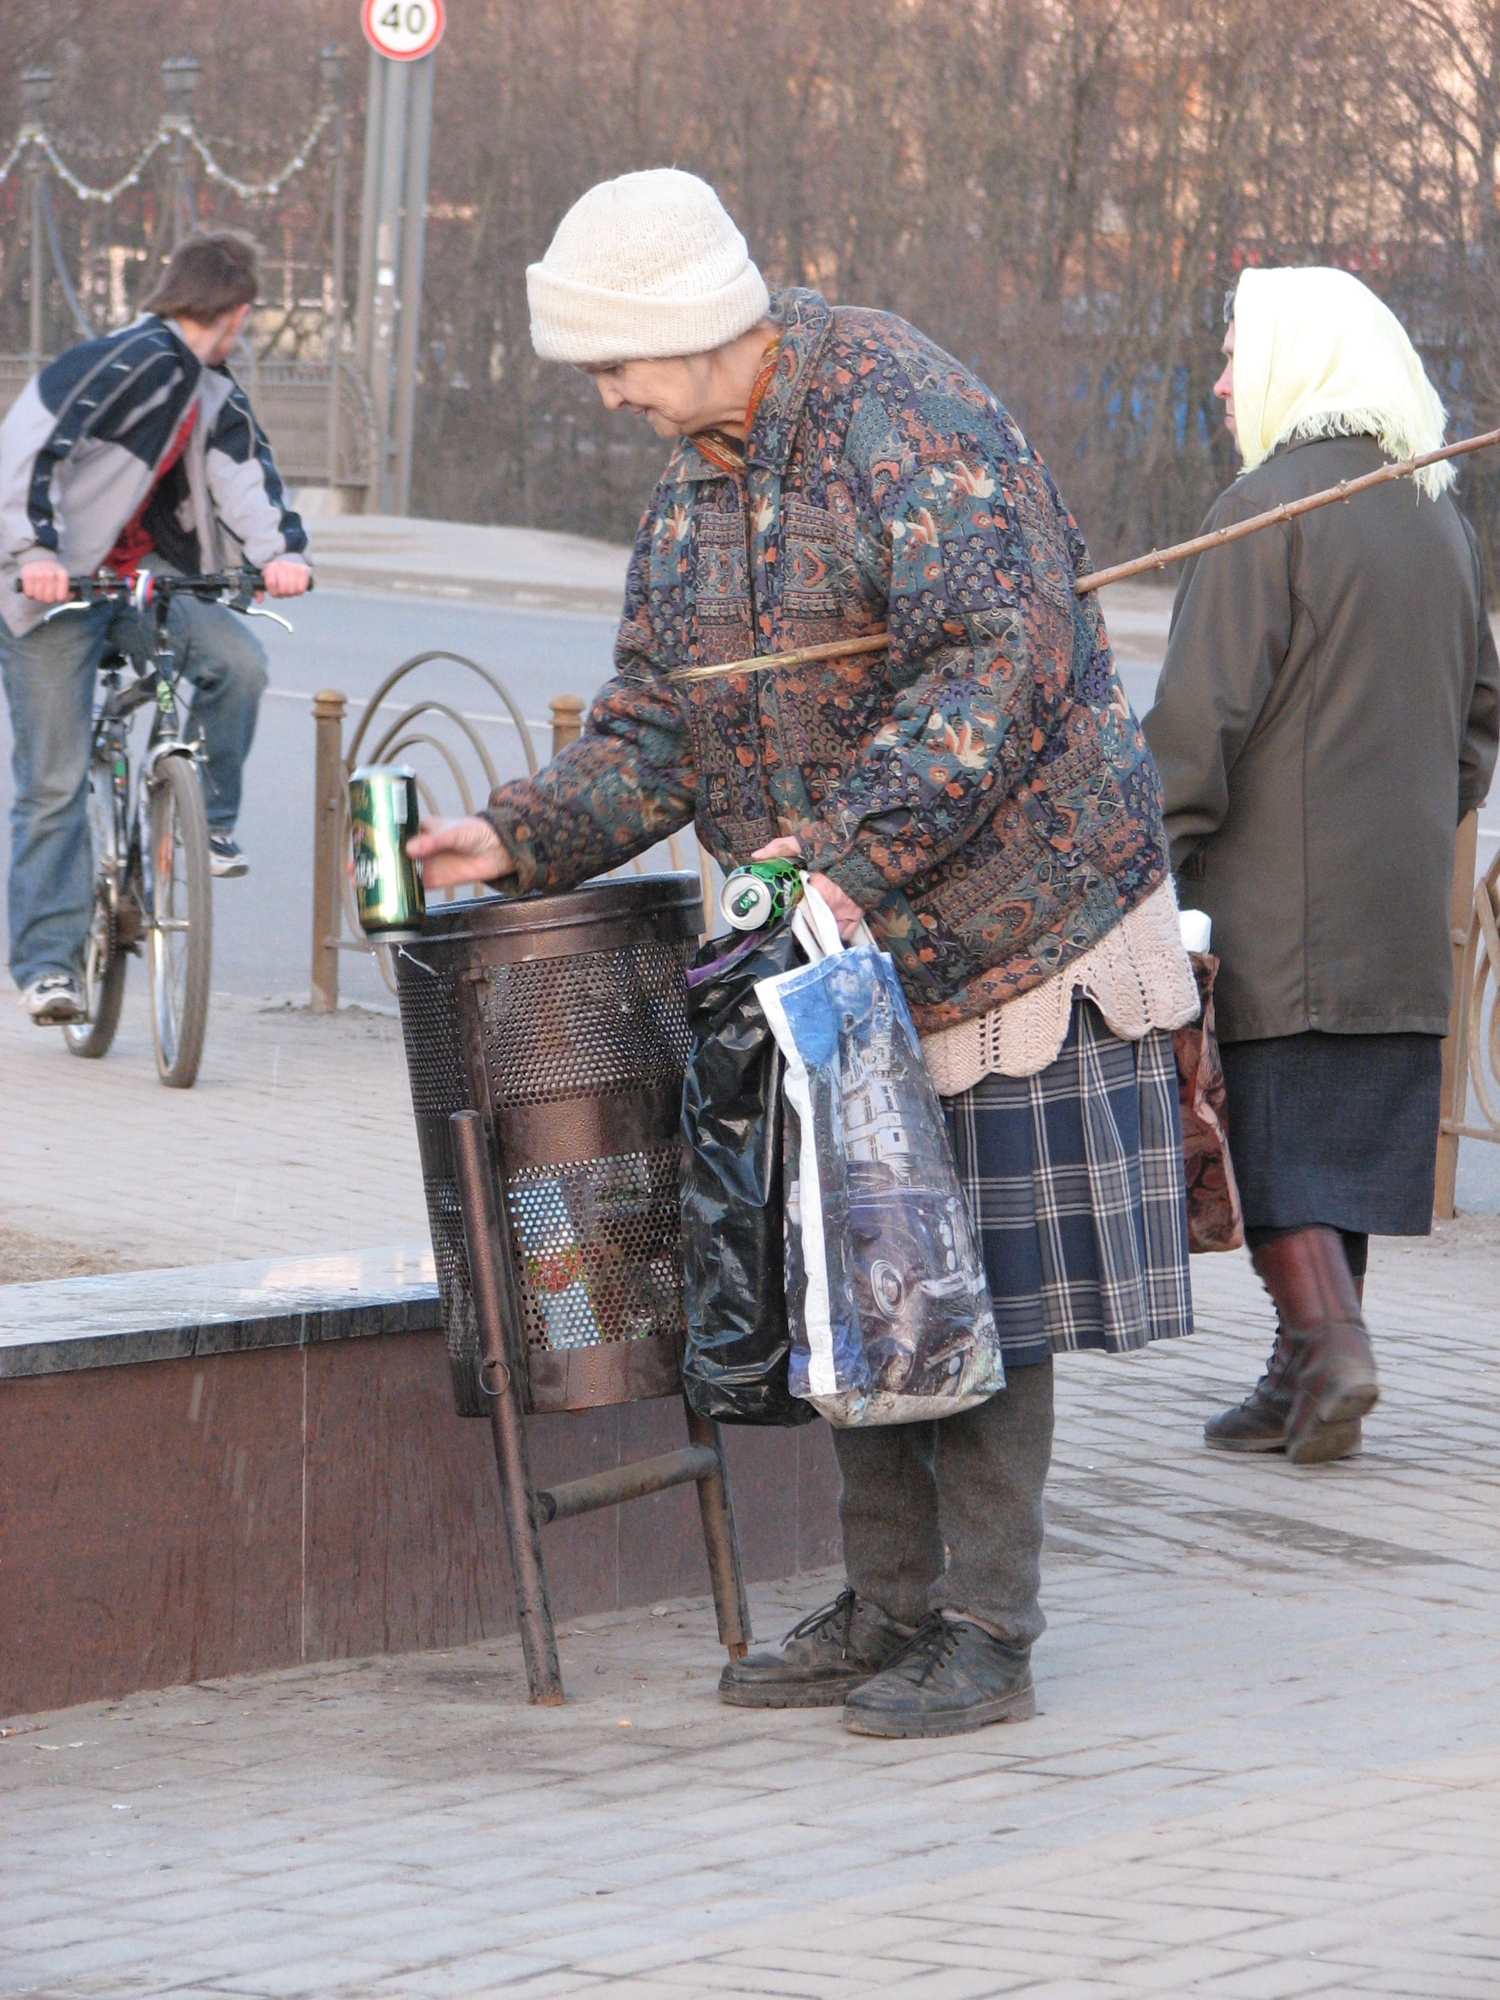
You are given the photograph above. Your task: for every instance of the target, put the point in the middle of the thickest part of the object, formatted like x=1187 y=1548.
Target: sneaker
x=53 y=1000
x=832 y=1651
x=225 y=856
x=951 y=1676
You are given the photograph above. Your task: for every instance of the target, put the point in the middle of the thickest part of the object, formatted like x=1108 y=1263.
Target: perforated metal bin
x=562 y=1021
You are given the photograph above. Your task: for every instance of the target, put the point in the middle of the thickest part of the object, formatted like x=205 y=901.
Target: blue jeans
x=49 y=684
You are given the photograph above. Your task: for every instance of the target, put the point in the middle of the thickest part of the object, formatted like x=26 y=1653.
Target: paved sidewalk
x=466 y=561
x=297 y=1138
x=1267 y=1764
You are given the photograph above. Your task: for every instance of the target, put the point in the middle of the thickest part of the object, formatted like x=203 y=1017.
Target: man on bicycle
x=137 y=450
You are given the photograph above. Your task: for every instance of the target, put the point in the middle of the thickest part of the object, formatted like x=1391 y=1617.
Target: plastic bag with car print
x=887 y=1302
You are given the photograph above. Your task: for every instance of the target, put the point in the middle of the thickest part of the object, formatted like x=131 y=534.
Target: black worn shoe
x=819 y=1661
x=226 y=856
x=1260 y=1423
x=952 y=1676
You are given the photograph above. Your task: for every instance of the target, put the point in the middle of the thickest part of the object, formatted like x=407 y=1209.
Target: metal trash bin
x=546 y=1041
x=562 y=1021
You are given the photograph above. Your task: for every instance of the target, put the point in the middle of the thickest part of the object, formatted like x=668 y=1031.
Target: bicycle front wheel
x=181 y=918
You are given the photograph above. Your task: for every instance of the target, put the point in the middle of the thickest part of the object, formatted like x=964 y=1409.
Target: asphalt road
x=262 y=924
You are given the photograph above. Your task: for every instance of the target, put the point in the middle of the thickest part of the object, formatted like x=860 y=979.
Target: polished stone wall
x=175 y=1520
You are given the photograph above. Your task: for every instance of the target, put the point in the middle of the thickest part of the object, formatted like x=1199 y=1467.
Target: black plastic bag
x=734 y=1297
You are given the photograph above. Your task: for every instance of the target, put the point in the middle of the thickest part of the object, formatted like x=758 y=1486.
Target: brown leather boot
x=1332 y=1375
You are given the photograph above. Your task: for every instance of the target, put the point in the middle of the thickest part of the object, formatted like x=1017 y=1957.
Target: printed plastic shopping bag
x=734 y=1298
x=887 y=1302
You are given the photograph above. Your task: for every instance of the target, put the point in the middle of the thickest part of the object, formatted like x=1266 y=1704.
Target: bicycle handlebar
x=152 y=590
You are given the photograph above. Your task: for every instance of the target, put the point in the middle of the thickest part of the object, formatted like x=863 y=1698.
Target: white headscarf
x=1316 y=354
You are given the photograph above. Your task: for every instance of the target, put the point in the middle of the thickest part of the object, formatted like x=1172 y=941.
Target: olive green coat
x=1326 y=715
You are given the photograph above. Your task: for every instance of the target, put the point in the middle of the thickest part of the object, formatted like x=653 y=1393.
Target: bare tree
x=1059 y=191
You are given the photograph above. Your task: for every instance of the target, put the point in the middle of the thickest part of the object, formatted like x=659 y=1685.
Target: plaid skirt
x=1075 y=1183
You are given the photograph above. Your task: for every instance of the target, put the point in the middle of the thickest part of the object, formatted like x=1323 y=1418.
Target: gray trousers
x=969 y=1488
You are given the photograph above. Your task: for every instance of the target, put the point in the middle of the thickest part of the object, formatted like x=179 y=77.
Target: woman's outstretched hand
x=847 y=913
x=454 y=851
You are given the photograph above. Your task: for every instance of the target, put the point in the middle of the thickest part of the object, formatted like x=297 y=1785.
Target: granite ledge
x=207 y=1309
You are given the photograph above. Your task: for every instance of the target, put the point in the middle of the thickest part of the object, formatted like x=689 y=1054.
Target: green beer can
x=383 y=816
x=760 y=892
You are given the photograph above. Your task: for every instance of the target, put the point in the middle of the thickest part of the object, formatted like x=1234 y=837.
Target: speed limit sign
x=403 y=29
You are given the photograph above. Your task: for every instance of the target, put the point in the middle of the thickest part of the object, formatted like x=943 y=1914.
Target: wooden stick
x=876 y=642
x=829 y=649
x=1288 y=511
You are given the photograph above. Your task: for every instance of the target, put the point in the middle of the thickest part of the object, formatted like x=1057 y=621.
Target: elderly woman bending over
x=1326 y=716
x=981 y=793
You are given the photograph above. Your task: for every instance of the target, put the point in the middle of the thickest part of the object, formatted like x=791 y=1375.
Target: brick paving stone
x=950 y=1983
x=1285 y=1980
x=1074 y=1989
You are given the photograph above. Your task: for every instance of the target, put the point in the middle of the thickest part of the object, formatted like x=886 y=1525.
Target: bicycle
x=153 y=886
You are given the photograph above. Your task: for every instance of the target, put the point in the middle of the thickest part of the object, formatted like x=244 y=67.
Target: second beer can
x=759 y=892
x=383 y=815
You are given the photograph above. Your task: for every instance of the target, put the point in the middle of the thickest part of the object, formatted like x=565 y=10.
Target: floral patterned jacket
x=982 y=789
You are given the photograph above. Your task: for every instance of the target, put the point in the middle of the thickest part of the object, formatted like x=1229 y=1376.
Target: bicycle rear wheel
x=104 y=957
x=104 y=963
x=181 y=920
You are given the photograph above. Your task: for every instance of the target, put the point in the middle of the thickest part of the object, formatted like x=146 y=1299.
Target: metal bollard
x=329 y=707
x=567 y=721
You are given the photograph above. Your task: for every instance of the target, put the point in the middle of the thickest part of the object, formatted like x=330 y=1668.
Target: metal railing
x=291 y=401
x=1471 y=1050
x=458 y=761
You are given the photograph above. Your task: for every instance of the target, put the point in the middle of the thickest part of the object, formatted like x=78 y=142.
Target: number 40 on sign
x=403 y=29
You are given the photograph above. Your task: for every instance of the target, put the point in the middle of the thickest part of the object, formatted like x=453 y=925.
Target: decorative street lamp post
x=36 y=89
x=180 y=75
x=332 y=63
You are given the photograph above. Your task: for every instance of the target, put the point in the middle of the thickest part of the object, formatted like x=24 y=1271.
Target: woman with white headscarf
x=1326 y=716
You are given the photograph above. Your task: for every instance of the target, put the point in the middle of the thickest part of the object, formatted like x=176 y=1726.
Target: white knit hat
x=643 y=267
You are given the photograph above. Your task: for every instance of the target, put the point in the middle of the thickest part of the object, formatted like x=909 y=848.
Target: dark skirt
x=1075 y=1182
x=1335 y=1129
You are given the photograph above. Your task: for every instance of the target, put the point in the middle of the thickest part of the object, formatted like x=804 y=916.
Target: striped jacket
x=982 y=790
x=80 y=447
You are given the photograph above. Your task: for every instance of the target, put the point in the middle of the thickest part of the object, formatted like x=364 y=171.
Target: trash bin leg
x=517 y=1495
x=721 y=1541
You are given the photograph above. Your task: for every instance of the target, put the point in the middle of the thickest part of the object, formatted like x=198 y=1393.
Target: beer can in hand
x=383 y=816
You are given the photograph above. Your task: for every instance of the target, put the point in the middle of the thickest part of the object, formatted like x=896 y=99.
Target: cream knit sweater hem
x=1138 y=976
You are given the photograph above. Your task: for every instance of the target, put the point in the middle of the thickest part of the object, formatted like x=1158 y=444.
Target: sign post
x=403 y=37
